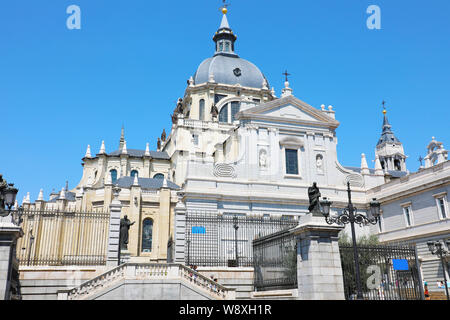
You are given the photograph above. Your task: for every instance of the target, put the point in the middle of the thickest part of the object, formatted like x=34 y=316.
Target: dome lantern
x=224 y=37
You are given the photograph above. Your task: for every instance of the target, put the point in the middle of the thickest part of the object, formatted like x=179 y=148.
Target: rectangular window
x=195 y=139
x=442 y=207
x=291 y=161
x=407 y=213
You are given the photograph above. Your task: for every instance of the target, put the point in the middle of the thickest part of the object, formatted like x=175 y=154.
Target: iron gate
x=386 y=272
x=214 y=239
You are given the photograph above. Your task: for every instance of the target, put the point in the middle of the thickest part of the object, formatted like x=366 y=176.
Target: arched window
x=235 y=107
x=201 y=111
x=397 y=165
x=113 y=173
x=147 y=235
x=231 y=109
x=223 y=114
x=158 y=176
x=134 y=173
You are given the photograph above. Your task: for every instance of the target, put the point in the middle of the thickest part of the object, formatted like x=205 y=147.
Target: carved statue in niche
x=263 y=159
x=319 y=163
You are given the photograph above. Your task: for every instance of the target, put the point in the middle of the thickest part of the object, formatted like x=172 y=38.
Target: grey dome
x=226 y=69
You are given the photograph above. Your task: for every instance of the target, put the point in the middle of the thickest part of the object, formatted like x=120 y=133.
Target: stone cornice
x=412 y=184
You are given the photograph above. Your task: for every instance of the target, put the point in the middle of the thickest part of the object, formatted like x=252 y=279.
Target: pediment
x=288 y=109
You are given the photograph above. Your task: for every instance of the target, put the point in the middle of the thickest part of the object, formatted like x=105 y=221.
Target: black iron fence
x=275 y=262
x=387 y=272
x=214 y=239
x=63 y=238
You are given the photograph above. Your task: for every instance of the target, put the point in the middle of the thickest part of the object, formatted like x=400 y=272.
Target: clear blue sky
x=61 y=89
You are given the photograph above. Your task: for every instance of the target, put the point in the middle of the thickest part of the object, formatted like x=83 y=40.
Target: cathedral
x=234 y=148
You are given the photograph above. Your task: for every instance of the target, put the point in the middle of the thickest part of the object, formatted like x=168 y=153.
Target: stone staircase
x=438 y=295
x=139 y=275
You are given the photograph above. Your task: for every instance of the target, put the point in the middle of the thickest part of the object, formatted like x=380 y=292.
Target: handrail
x=153 y=269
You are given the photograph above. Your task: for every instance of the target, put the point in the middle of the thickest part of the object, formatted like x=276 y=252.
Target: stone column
x=9 y=266
x=180 y=230
x=114 y=230
x=319 y=270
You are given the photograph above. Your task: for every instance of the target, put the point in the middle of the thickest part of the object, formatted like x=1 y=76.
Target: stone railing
x=144 y=271
x=200 y=124
x=194 y=123
x=207 y=284
x=87 y=288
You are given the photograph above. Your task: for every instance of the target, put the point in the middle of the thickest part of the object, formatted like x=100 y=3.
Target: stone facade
x=415 y=210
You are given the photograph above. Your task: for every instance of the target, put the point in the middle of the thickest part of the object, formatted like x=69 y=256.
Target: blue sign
x=400 y=264
x=198 y=230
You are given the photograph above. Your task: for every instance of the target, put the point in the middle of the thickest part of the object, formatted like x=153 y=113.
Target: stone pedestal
x=125 y=256
x=319 y=270
x=9 y=266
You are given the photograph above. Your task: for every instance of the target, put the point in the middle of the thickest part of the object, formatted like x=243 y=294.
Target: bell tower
x=389 y=149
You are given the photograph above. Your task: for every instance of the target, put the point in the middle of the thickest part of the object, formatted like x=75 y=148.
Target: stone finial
x=88 y=152
x=102 y=148
x=364 y=166
x=136 y=181
x=27 y=198
x=41 y=195
x=265 y=84
x=273 y=92
x=16 y=204
x=211 y=78
x=191 y=81
x=322 y=107
x=164 y=185
x=24 y=200
x=330 y=108
x=147 y=150
x=286 y=90
x=62 y=194
x=124 y=149
x=378 y=168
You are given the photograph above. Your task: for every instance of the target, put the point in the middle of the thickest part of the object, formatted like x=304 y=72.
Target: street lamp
x=7 y=196
x=350 y=216
x=236 y=227
x=437 y=248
